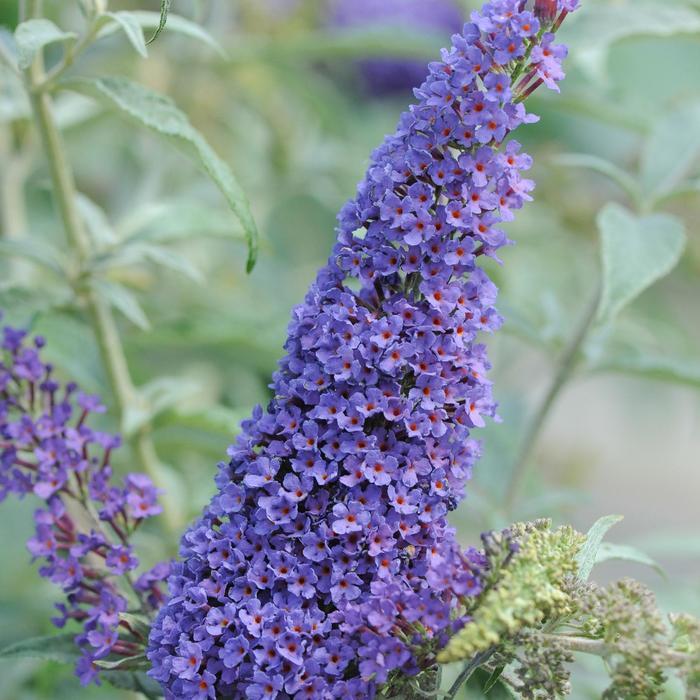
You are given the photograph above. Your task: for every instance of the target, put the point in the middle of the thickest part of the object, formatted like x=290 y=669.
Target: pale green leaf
x=38 y=251
x=31 y=36
x=588 y=553
x=672 y=148
x=164 y=10
x=156 y=397
x=132 y=28
x=600 y=165
x=54 y=647
x=591 y=32
x=135 y=681
x=179 y=24
x=158 y=222
x=123 y=300
x=636 y=252
x=666 y=368
x=127 y=663
x=170 y=259
x=161 y=115
x=216 y=419
x=96 y=222
x=622 y=552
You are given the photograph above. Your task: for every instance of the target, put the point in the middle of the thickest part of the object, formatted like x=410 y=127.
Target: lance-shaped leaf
x=176 y=23
x=622 y=552
x=54 y=647
x=164 y=10
x=131 y=27
x=671 y=150
x=587 y=555
x=636 y=252
x=31 y=36
x=118 y=296
x=161 y=115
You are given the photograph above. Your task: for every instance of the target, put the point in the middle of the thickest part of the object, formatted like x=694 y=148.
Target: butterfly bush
x=324 y=563
x=82 y=533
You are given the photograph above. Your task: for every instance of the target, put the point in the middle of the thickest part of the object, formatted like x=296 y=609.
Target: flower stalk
x=103 y=322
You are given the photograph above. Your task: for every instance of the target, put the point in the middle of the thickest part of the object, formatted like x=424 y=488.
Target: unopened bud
x=546 y=10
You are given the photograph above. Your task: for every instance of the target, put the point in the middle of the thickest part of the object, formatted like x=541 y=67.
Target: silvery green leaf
x=164 y=10
x=155 y=397
x=600 y=165
x=216 y=419
x=135 y=681
x=128 y=663
x=123 y=300
x=636 y=252
x=588 y=554
x=31 y=36
x=131 y=27
x=160 y=114
x=671 y=150
x=651 y=365
x=622 y=552
x=96 y=222
x=38 y=251
x=158 y=222
x=14 y=103
x=179 y=24
x=54 y=647
x=170 y=259
x=591 y=32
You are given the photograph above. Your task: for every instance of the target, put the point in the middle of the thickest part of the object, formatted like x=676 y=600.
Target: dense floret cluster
x=330 y=518
x=82 y=534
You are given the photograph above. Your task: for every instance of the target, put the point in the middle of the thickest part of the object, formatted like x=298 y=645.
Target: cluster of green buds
x=537 y=610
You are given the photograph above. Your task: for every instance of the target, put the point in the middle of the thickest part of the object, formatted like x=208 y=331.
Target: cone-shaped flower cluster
x=325 y=561
x=82 y=535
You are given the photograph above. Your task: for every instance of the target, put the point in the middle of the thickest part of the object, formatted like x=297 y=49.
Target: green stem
x=564 y=368
x=103 y=322
x=467 y=672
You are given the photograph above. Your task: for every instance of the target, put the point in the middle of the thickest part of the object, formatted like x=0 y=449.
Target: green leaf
x=154 y=398
x=136 y=681
x=38 y=251
x=604 y=167
x=55 y=647
x=160 y=114
x=96 y=222
x=588 y=553
x=159 y=222
x=140 y=625
x=170 y=259
x=593 y=31
x=179 y=24
x=132 y=28
x=164 y=9
x=494 y=678
x=636 y=252
x=670 y=151
x=666 y=368
x=127 y=663
x=609 y=551
x=31 y=36
x=123 y=300
x=216 y=419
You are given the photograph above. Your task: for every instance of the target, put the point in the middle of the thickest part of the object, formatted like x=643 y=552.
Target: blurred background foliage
x=293 y=95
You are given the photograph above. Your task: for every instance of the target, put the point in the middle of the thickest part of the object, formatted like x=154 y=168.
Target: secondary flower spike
x=82 y=534
x=324 y=565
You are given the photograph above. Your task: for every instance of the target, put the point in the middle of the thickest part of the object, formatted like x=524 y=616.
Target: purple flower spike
x=326 y=549
x=47 y=447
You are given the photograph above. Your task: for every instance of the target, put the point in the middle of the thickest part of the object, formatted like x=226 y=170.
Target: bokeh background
x=294 y=101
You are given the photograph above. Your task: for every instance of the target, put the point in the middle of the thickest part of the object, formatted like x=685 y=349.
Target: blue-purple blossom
x=325 y=562
x=47 y=449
